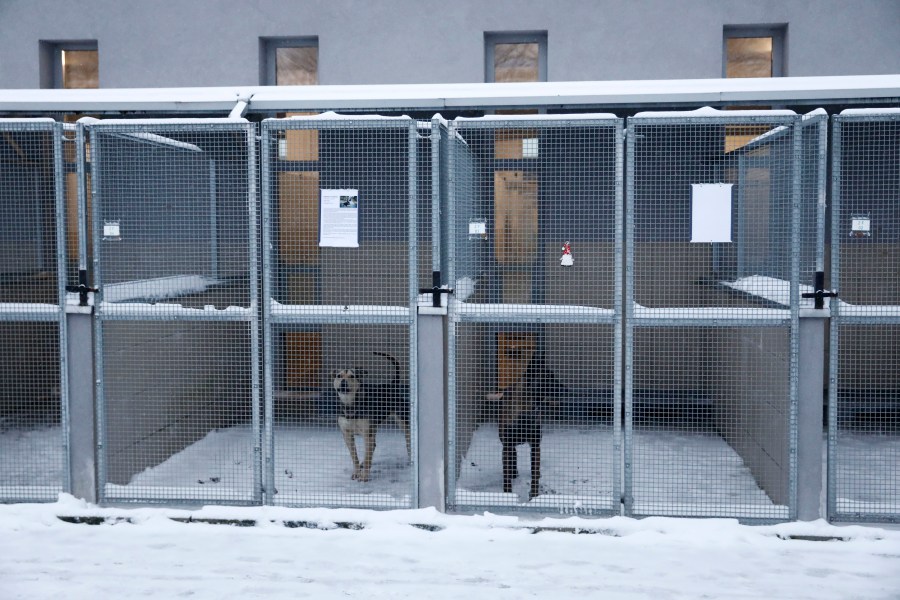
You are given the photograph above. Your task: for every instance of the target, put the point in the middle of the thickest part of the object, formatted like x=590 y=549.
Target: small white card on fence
x=711 y=212
x=339 y=219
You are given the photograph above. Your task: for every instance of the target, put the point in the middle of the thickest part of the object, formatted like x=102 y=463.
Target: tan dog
x=365 y=406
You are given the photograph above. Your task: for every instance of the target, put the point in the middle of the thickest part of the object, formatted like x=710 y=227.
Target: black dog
x=366 y=405
x=521 y=418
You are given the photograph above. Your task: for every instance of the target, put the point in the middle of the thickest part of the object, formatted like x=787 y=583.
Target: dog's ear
x=334 y=374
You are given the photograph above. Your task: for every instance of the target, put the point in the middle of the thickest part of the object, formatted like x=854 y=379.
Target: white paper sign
x=711 y=212
x=339 y=219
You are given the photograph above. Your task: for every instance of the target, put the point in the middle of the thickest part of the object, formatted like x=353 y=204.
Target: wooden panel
x=72 y=216
x=517 y=287
x=298 y=239
x=301 y=288
x=508 y=142
x=514 y=350
x=301 y=144
x=515 y=217
x=302 y=359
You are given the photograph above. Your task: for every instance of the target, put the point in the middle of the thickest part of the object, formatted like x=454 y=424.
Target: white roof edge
x=870 y=111
x=572 y=117
x=175 y=121
x=707 y=111
x=458 y=95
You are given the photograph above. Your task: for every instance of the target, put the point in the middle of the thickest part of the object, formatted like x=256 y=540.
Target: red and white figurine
x=567 y=259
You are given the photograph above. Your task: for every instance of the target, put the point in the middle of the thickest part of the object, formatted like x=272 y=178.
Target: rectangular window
x=290 y=61
x=515 y=57
x=753 y=51
x=70 y=65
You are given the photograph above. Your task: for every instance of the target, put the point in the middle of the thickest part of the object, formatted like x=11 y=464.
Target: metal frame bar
x=536 y=314
x=788 y=317
x=838 y=320
x=162 y=313
x=296 y=315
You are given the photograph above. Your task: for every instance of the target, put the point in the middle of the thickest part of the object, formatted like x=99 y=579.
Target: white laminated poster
x=339 y=219
x=711 y=212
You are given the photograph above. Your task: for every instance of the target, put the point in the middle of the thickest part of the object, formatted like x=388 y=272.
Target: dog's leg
x=535 y=468
x=350 y=441
x=509 y=467
x=369 y=441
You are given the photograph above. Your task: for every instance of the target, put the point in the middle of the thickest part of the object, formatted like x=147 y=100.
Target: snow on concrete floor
x=704 y=472
x=473 y=557
x=312 y=466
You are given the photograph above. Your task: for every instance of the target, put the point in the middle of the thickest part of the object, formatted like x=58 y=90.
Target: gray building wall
x=169 y=43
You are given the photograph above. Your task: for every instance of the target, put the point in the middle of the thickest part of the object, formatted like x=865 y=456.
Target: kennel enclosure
x=342 y=198
x=720 y=244
x=864 y=391
x=34 y=463
x=527 y=196
x=176 y=312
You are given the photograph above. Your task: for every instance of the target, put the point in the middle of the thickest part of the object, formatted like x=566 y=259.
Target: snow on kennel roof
x=458 y=96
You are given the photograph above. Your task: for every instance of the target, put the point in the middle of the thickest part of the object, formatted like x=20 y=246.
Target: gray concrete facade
x=214 y=43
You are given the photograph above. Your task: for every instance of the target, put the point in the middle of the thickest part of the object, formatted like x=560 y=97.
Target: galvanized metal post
x=81 y=413
x=810 y=416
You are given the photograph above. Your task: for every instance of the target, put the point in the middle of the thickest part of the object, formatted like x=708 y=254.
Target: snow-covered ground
x=354 y=553
x=675 y=472
x=341 y=553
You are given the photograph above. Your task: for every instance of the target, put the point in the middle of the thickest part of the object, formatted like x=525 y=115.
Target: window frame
x=778 y=33
x=492 y=38
x=51 y=60
x=268 y=63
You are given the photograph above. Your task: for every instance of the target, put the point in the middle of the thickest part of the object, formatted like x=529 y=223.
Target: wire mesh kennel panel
x=341 y=203
x=33 y=419
x=176 y=321
x=713 y=235
x=535 y=247
x=864 y=412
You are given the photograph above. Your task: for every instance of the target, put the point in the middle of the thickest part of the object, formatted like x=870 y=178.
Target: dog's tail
x=393 y=361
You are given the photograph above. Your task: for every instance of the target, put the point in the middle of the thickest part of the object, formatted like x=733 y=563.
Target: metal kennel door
x=33 y=397
x=864 y=392
x=717 y=260
x=534 y=240
x=176 y=316
x=341 y=218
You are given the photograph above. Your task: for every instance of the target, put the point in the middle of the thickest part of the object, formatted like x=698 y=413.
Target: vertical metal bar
x=435 y=194
x=822 y=169
x=413 y=286
x=796 y=245
x=742 y=269
x=835 y=338
x=452 y=227
x=213 y=222
x=619 y=258
x=81 y=168
x=252 y=251
x=268 y=443
x=102 y=466
x=628 y=454
x=60 y=221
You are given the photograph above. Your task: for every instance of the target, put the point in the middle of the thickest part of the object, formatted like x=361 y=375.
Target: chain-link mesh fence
x=535 y=247
x=176 y=323
x=347 y=213
x=864 y=415
x=714 y=217
x=33 y=440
